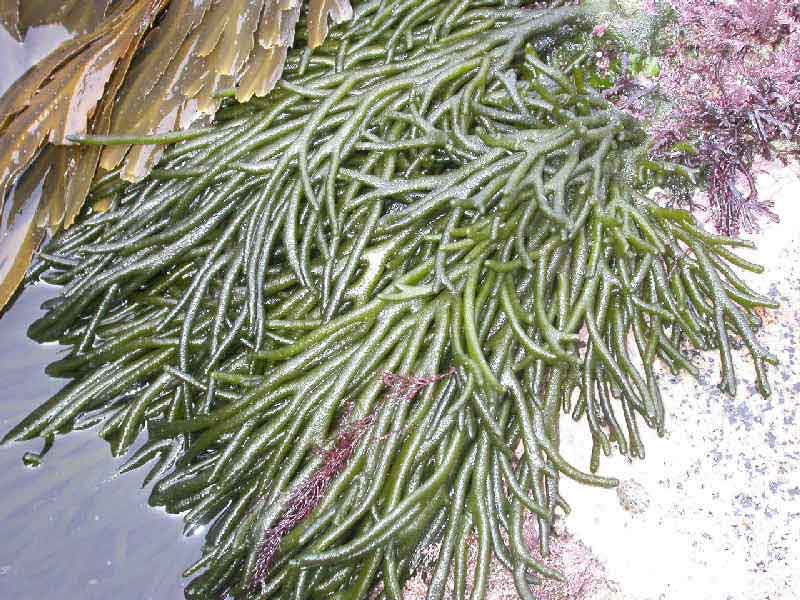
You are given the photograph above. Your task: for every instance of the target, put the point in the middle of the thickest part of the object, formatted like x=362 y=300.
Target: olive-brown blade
x=318 y=13
x=77 y=16
x=9 y=17
x=127 y=77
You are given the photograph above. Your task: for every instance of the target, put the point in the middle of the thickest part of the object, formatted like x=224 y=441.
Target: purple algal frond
x=732 y=77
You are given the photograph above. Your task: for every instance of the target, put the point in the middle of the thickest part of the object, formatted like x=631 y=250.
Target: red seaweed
x=307 y=495
x=732 y=77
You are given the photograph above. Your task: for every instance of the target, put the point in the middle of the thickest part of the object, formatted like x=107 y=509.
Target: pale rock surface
x=713 y=512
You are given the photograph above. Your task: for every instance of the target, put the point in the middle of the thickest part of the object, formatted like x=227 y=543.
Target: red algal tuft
x=307 y=495
x=732 y=76
x=406 y=387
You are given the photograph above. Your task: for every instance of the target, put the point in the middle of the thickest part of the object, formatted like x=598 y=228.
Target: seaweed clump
x=731 y=79
x=430 y=190
x=138 y=66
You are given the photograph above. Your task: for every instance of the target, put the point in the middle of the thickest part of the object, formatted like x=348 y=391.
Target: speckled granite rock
x=713 y=512
x=721 y=491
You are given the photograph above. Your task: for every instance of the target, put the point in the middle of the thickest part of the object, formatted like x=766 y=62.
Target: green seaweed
x=427 y=191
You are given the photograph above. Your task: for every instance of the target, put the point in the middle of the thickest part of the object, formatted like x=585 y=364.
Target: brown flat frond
x=76 y=16
x=9 y=17
x=135 y=67
x=318 y=13
x=58 y=97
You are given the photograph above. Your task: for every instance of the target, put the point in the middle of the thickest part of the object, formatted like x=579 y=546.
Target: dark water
x=70 y=529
